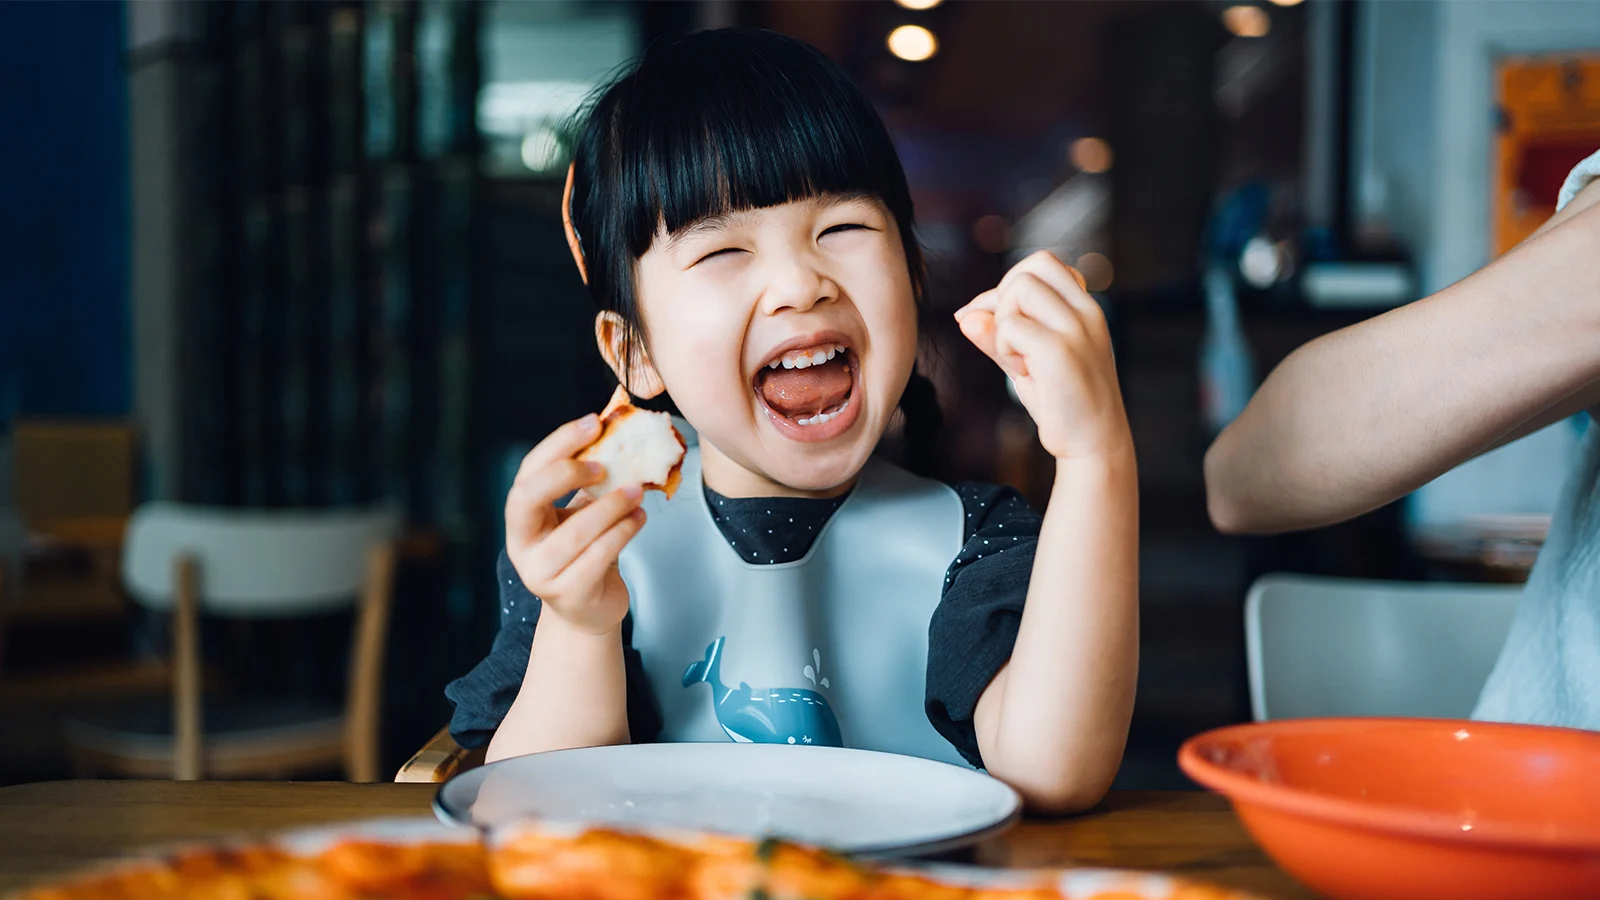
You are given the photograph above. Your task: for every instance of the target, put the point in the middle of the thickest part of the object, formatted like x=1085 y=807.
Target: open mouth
x=809 y=387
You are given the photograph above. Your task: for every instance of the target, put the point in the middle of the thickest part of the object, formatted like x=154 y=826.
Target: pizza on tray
x=412 y=860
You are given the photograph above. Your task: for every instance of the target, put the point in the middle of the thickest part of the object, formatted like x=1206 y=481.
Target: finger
x=589 y=522
x=1067 y=282
x=529 y=504
x=563 y=443
x=1034 y=297
x=984 y=302
x=1007 y=302
x=543 y=487
x=978 y=327
x=578 y=501
x=1009 y=360
x=1047 y=267
x=560 y=547
x=601 y=554
x=1027 y=340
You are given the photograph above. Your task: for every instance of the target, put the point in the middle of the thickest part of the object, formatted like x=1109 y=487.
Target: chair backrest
x=253 y=562
x=1343 y=647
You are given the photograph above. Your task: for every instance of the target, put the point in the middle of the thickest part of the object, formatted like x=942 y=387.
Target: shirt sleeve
x=975 y=624
x=1587 y=171
x=484 y=695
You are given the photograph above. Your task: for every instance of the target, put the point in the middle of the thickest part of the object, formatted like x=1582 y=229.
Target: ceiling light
x=1286 y=2
x=913 y=43
x=1246 y=21
x=930 y=4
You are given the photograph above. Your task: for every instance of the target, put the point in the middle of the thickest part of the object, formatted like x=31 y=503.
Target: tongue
x=796 y=392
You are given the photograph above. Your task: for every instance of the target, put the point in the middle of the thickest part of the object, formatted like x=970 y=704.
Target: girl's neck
x=732 y=480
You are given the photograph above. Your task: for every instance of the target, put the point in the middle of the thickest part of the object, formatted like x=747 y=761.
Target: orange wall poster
x=1549 y=121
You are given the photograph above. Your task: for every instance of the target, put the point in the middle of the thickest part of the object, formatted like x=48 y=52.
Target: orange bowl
x=1414 y=809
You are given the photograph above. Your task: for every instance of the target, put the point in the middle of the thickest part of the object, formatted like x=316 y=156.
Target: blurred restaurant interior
x=308 y=255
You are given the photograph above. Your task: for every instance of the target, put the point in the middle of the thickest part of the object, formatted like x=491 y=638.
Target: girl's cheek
x=687 y=361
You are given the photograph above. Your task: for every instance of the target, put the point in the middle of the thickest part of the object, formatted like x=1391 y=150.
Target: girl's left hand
x=1044 y=329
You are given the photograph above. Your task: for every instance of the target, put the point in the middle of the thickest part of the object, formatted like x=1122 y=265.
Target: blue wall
x=65 y=343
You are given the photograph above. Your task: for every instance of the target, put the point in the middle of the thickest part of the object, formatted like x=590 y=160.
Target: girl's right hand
x=568 y=557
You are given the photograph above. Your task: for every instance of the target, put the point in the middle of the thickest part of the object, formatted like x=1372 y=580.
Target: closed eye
x=846 y=226
x=716 y=253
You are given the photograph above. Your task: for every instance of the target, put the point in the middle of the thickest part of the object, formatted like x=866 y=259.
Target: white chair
x=250 y=564
x=1341 y=647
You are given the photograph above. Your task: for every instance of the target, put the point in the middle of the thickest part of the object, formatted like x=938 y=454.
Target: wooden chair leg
x=440 y=758
x=186 y=724
x=364 y=706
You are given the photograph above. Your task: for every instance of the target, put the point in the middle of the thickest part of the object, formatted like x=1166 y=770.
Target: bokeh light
x=541 y=149
x=1262 y=263
x=1096 y=271
x=913 y=43
x=992 y=233
x=1246 y=21
x=1092 y=155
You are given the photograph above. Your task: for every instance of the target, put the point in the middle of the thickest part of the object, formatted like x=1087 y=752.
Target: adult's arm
x=1367 y=414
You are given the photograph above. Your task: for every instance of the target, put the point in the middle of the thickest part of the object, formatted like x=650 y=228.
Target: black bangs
x=719 y=121
x=733 y=120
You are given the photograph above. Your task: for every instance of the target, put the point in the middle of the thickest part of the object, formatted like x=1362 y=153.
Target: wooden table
x=55 y=827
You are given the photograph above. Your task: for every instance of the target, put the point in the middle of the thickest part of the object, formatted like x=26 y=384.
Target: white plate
x=401 y=830
x=853 y=801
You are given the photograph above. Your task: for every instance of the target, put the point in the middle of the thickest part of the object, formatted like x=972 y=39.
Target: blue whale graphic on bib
x=765 y=715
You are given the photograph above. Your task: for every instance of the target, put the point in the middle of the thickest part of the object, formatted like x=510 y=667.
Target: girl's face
x=785 y=335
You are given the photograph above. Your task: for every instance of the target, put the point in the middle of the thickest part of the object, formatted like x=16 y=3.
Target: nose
x=796 y=284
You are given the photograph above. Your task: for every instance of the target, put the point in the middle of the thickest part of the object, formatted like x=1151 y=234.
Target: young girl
x=745 y=227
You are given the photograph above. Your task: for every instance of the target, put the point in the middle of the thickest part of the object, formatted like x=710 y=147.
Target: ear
x=613 y=336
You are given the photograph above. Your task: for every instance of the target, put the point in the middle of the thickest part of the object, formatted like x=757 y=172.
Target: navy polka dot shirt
x=969 y=638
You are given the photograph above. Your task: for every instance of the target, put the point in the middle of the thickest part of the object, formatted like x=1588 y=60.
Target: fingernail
x=632 y=491
x=591 y=422
x=637 y=515
x=598 y=470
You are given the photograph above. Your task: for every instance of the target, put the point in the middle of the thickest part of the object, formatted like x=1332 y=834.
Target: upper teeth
x=802 y=359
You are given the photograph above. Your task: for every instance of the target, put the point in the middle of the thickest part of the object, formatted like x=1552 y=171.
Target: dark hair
x=719 y=121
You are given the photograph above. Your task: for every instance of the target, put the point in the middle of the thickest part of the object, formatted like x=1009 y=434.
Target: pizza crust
x=636 y=446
